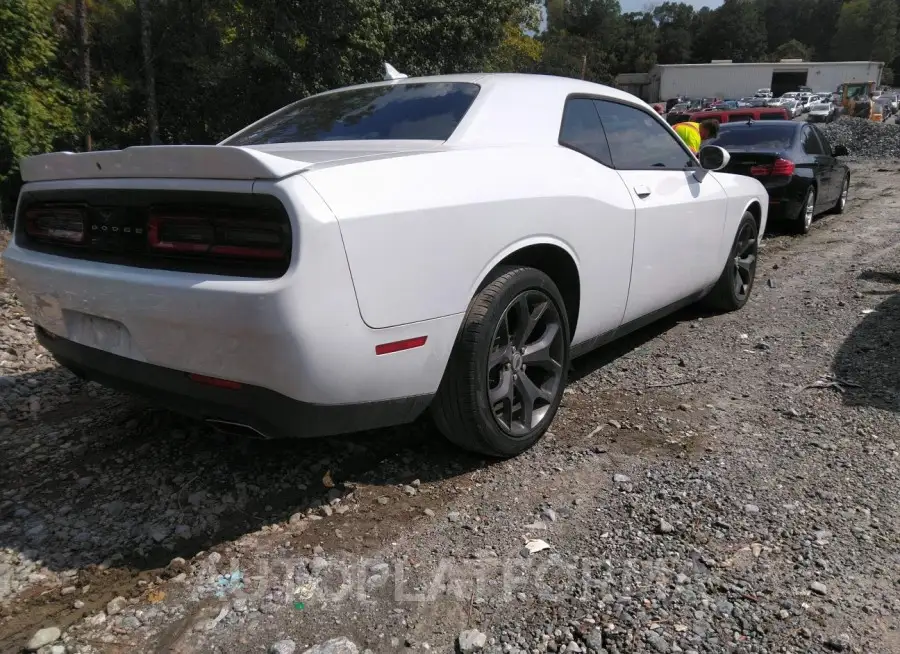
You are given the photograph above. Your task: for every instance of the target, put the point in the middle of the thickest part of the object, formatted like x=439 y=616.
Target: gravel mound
x=865 y=139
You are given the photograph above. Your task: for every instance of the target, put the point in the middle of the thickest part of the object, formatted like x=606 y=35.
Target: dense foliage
x=112 y=73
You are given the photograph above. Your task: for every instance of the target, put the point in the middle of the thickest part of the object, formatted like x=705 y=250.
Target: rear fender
x=484 y=276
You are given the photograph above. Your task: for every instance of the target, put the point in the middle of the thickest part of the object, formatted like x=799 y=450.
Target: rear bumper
x=248 y=408
x=300 y=335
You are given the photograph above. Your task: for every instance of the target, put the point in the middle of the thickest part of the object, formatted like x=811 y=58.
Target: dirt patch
x=4 y=241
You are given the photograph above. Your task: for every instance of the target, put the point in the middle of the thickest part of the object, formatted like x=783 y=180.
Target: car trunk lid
x=743 y=162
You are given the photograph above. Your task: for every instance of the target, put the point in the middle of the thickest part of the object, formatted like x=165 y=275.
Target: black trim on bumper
x=264 y=411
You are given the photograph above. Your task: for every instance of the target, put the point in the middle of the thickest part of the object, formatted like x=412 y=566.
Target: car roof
x=742 y=124
x=513 y=108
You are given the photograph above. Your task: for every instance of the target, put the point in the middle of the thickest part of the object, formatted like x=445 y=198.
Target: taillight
x=222 y=236
x=780 y=168
x=63 y=224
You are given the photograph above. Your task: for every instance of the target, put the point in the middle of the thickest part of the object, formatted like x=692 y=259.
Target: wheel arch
x=755 y=209
x=551 y=256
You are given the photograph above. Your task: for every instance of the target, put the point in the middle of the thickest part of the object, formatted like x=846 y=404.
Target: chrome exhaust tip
x=235 y=429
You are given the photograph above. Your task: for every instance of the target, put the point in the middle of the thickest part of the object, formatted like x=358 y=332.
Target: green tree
x=737 y=31
x=674 y=34
x=792 y=49
x=519 y=51
x=569 y=55
x=447 y=36
x=37 y=110
x=883 y=18
x=637 y=49
x=852 y=38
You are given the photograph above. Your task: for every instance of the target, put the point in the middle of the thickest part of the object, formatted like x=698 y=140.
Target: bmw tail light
x=780 y=168
x=62 y=224
x=217 y=235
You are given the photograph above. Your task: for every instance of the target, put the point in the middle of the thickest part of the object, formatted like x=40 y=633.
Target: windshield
x=427 y=111
x=821 y=106
x=756 y=136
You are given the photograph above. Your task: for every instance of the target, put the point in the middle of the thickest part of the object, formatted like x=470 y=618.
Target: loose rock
x=43 y=637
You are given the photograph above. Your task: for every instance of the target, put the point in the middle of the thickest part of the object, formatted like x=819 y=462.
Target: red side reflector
x=397 y=346
x=214 y=381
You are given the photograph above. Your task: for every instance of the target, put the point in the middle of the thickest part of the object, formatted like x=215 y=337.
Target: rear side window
x=734 y=118
x=810 y=142
x=755 y=136
x=778 y=115
x=581 y=130
x=428 y=111
x=637 y=141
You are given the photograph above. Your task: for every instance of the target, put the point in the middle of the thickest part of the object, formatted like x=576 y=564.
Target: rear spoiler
x=161 y=161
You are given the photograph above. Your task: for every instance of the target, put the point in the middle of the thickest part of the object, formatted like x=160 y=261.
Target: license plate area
x=99 y=333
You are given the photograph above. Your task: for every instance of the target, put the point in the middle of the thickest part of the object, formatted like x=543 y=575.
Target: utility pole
x=84 y=72
x=583 y=66
x=149 y=74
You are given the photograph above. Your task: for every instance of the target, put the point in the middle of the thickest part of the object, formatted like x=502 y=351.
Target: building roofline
x=787 y=64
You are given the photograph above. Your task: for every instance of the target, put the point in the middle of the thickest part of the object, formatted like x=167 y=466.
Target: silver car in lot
x=821 y=112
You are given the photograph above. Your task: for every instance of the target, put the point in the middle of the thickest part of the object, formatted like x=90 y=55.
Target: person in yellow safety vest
x=693 y=134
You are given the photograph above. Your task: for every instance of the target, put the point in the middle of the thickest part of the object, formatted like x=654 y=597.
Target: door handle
x=641 y=191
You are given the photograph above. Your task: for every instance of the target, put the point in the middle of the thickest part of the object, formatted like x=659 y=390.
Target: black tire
x=735 y=284
x=488 y=350
x=802 y=222
x=841 y=205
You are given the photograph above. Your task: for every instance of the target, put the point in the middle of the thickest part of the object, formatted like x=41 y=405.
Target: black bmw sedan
x=796 y=164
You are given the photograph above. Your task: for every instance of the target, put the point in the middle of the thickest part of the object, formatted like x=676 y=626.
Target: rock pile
x=865 y=139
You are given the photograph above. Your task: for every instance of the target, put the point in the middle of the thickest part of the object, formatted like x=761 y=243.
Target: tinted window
x=637 y=141
x=581 y=130
x=826 y=146
x=734 y=118
x=737 y=135
x=772 y=116
x=809 y=142
x=401 y=111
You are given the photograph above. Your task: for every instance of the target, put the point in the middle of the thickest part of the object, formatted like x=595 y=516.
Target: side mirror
x=712 y=157
x=840 y=150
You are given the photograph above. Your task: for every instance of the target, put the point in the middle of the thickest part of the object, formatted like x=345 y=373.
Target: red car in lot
x=731 y=116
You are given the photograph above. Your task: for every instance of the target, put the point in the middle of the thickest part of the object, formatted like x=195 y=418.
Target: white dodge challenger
x=367 y=254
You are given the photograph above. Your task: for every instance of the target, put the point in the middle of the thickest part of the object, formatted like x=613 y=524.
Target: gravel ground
x=711 y=484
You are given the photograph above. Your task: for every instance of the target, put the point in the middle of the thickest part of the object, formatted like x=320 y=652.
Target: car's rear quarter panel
x=742 y=192
x=421 y=232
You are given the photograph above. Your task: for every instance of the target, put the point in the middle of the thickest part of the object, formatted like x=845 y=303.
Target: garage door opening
x=782 y=82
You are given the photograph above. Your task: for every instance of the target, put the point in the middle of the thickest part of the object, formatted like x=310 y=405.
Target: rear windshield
x=428 y=111
x=755 y=136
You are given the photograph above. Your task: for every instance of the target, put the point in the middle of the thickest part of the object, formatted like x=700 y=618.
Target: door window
x=810 y=142
x=638 y=141
x=826 y=146
x=581 y=130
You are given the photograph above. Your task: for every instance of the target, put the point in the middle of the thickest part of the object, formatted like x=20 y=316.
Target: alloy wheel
x=809 y=210
x=525 y=363
x=745 y=261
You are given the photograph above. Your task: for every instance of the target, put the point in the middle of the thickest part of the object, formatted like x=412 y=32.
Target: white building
x=724 y=79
